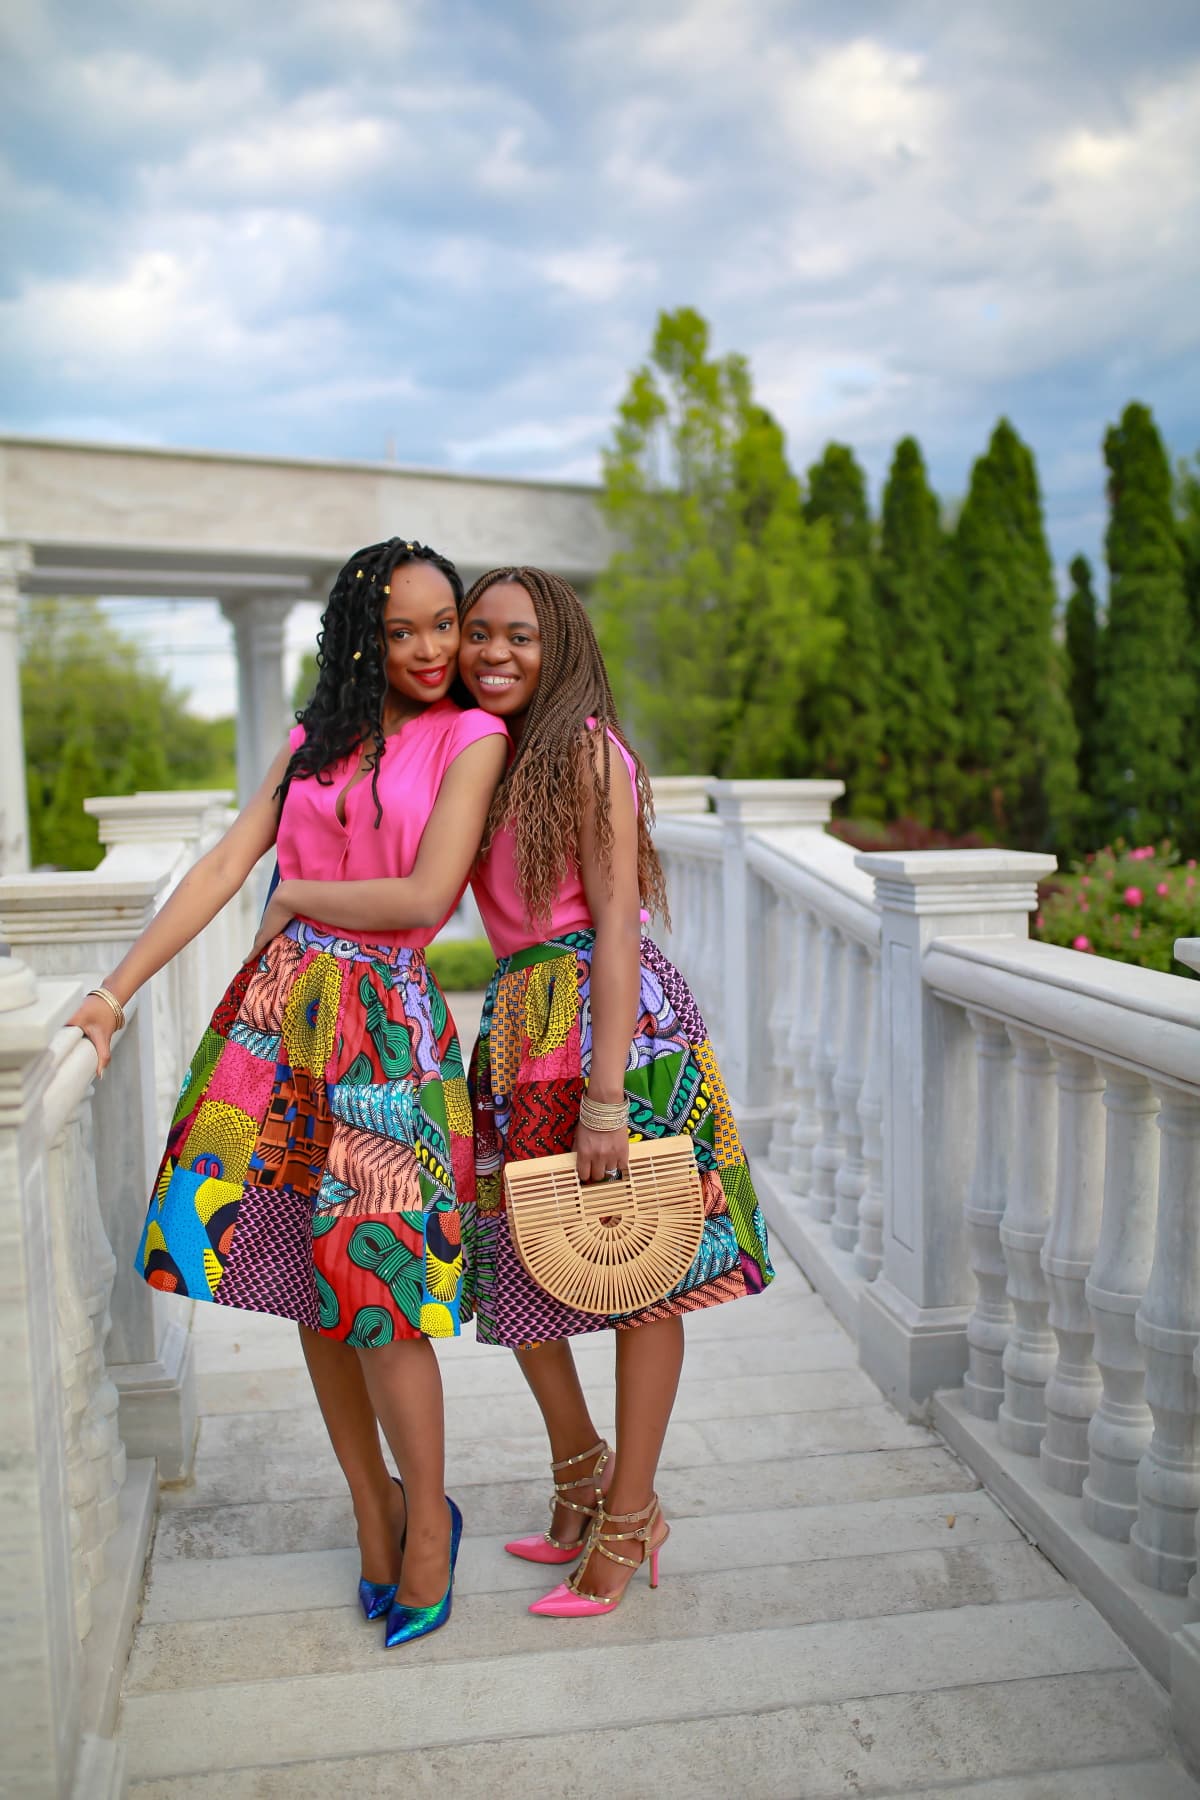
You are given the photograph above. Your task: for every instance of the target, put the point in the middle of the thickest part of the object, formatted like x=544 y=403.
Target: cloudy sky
x=442 y=233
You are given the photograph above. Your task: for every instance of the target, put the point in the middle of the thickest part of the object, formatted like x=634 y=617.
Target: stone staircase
x=842 y=1611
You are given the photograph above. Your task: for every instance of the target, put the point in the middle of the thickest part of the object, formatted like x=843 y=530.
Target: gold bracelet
x=118 y=1010
x=603 y=1115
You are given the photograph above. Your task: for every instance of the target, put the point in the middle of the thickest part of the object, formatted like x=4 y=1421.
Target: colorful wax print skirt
x=527 y=1076
x=319 y=1165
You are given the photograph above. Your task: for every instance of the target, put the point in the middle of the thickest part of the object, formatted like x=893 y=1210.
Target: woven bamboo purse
x=613 y=1246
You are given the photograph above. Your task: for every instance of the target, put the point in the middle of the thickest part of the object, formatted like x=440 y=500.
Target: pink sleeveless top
x=501 y=908
x=312 y=844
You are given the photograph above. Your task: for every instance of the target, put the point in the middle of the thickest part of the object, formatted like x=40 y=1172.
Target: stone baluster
x=868 y=1252
x=1168 y=1329
x=1073 y=1390
x=1029 y=1355
x=802 y=1045
x=913 y=1316
x=782 y=991
x=991 y=1316
x=1120 y=1429
x=850 y=1181
x=827 y=1151
x=715 y=973
x=15 y=564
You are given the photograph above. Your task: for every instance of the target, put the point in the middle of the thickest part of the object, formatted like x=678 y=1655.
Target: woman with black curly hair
x=319 y=1166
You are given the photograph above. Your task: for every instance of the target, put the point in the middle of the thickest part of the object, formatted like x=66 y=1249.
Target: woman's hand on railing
x=96 y=1020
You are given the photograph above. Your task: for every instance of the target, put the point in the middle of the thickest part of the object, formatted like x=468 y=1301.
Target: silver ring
x=612 y=1174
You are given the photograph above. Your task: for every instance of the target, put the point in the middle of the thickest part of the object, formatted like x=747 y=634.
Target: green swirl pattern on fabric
x=376 y=1248
x=328 y=1310
x=390 y=1038
x=372 y=1327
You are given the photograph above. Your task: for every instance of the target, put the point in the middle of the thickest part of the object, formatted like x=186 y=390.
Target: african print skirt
x=527 y=1076
x=320 y=1157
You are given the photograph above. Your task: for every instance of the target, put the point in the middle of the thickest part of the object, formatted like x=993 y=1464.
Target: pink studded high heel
x=569 y=1601
x=541 y=1547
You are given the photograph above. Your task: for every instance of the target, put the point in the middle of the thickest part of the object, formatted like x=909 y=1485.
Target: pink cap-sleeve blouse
x=312 y=844
x=501 y=908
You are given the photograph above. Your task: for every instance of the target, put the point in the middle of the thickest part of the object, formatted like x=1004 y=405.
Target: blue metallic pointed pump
x=408 y=1622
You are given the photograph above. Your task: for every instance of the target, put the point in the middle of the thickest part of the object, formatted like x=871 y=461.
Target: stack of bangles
x=604 y=1115
x=118 y=1011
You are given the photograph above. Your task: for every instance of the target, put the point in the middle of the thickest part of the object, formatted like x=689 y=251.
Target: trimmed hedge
x=462 y=965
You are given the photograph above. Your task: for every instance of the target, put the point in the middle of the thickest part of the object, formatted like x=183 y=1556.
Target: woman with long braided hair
x=319 y=1166
x=588 y=1034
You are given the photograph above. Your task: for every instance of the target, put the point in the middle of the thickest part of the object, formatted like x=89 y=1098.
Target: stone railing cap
x=971 y=865
x=71 y=887
x=776 y=802
x=1187 y=950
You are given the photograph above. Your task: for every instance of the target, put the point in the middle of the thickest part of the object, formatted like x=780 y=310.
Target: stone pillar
x=675 y=795
x=744 y=807
x=913 y=1318
x=40 y=1659
x=81 y=924
x=14 y=812
x=259 y=622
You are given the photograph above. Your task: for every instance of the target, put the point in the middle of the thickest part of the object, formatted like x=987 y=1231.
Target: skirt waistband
x=350 y=949
x=566 y=945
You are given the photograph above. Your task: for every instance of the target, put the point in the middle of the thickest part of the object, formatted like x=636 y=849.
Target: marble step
x=193 y=1588
x=405 y=1705
x=505 y=1508
x=272 y=1644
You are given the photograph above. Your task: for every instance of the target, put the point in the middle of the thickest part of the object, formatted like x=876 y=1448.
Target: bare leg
x=649 y=1363
x=405 y=1388
x=554 y=1381
x=379 y=1511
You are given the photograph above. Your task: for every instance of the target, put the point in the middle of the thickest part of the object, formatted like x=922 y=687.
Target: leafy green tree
x=916 y=689
x=98 y=719
x=1017 y=743
x=843 y=715
x=714 y=613
x=1082 y=649
x=1145 y=682
x=1187 y=512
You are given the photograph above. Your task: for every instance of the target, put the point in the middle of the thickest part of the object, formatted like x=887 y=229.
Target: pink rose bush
x=1129 y=902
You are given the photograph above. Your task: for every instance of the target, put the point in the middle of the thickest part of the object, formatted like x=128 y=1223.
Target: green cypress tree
x=917 y=694
x=1082 y=649
x=1187 y=509
x=1017 y=734
x=69 y=828
x=1145 y=682
x=843 y=718
x=714 y=613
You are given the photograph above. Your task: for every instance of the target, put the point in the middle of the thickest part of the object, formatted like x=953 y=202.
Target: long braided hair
x=542 y=795
x=346 y=708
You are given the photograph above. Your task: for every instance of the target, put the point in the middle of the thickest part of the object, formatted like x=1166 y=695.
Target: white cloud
x=597 y=273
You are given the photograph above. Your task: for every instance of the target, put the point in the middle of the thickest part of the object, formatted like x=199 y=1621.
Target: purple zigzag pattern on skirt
x=676 y=990
x=270 y=1264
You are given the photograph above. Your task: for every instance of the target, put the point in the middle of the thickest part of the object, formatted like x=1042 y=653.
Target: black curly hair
x=346 y=708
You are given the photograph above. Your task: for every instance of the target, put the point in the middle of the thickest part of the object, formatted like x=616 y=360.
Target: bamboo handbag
x=612 y=1246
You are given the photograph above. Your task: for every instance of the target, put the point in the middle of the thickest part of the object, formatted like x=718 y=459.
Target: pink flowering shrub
x=1127 y=902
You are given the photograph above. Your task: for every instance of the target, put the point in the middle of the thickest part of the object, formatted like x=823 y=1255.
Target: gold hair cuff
x=118 y=1011
x=603 y=1115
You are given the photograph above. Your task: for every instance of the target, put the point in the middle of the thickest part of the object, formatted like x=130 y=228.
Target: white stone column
x=40 y=1660
x=913 y=1318
x=1073 y=1390
x=802 y=1044
x=827 y=1151
x=850 y=1181
x=1029 y=1353
x=781 y=989
x=14 y=811
x=1168 y=1329
x=868 y=1252
x=743 y=807
x=259 y=623
x=1121 y=1426
x=991 y=1316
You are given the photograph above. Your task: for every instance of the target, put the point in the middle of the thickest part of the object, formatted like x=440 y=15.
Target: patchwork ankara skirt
x=319 y=1165
x=527 y=1076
